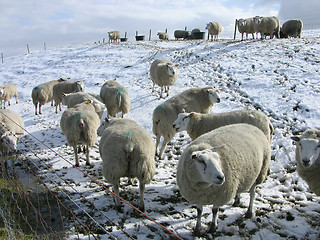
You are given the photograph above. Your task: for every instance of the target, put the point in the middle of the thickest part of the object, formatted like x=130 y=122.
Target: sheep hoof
x=249 y=214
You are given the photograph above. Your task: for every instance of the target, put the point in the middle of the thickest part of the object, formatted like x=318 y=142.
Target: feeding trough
x=198 y=35
x=123 y=39
x=140 y=38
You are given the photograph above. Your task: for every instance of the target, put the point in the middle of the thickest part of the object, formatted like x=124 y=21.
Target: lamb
x=114 y=36
x=194 y=99
x=65 y=87
x=72 y=99
x=219 y=165
x=43 y=93
x=181 y=34
x=291 y=28
x=7 y=92
x=163 y=73
x=11 y=129
x=214 y=29
x=196 y=124
x=246 y=26
x=267 y=26
x=116 y=98
x=131 y=156
x=308 y=158
x=163 y=36
x=79 y=124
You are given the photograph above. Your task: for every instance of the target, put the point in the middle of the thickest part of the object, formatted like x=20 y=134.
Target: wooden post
x=235 y=29
x=150 y=35
x=185 y=28
x=2 y=57
x=166 y=30
x=125 y=34
x=136 y=33
x=28 y=49
x=44 y=46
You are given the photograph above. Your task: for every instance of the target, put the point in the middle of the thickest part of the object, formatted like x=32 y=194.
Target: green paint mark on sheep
x=160 y=106
x=121 y=90
x=35 y=88
x=129 y=133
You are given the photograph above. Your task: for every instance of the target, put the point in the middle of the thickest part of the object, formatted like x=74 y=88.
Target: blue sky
x=66 y=22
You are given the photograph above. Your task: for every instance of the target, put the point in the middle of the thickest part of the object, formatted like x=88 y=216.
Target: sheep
x=7 y=92
x=65 y=87
x=308 y=158
x=267 y=26
x=196 y=124
x=163 y=36
x=291 y=28
x=219 y=165
x=11 y=129
x=79 y=124
x=72 y=99
x=181 y=34
x=43 y=93
x=116 y=98
x=163 y=73
x=114 y=36
x=131 y=156
x=214 y=29
x=194 y=99
x=246 y=26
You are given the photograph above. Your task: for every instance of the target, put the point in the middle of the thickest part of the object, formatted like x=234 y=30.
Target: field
x=278 y=77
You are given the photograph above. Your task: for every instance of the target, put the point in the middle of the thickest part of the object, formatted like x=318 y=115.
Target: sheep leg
x=236 y=202
x=214 y=222
x=154 y=84
x=87 y=155
x=163 y=146
x=142 y=187
x=16 y=99
x=161 y=92
x=198 y=225
x=249 y=213
x=76 y=155
x=157 y=144
x=116 y=192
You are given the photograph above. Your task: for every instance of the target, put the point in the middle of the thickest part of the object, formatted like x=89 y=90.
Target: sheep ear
x=295 y=138
x=115 y=79
x=107 y=119
x=183 y=110
x=194 y=155
x=177 y=65
x=217 y=149
x=191 y=115
x=89 y=101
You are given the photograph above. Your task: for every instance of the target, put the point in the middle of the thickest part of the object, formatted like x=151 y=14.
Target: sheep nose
x=218 y=100
x=221 y=179
x=306 y=162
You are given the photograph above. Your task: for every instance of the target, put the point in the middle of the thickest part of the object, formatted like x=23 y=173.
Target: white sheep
x=11 y=129
x=163 y=36
x=214 y=29
x=79 y=124
x=267 y=26
x=127 y=150
x=219 y=165
x=163 y=73
x=72 y=99
x=114 y=36
x=116 y=98
x=194 y=99
x=246 y=26
x=65 y=87
x=197 y=124
x=7 y=92
x=291 y=28
x=308 y=158
x=43 y=93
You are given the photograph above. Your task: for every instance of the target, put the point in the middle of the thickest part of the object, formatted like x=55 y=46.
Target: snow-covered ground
x=279 y=77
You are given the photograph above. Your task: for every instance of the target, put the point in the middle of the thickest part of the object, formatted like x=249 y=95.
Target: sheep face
x=182 y=122
x=209 y=166
x=257 y=19
x=241 y=22
x=9 y=140
x=1 y=91
x=214 y=96
x=171 y=69
x=309 y=150
x=80 y=86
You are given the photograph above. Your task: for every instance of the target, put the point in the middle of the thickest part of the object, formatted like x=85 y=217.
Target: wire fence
x=33 y=205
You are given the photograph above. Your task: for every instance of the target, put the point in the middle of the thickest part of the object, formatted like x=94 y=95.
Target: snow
x=279 y=77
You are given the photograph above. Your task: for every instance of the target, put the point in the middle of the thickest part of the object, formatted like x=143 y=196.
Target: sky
x=68 y=22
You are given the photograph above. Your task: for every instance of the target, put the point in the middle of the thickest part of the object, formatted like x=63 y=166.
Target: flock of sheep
x=229 y=154
x=265 y=26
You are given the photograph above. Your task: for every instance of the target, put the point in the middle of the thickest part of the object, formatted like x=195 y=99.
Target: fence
x=37 y=210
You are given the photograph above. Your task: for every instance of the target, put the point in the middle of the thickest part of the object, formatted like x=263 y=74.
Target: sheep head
x=182 y=122
x=208 y=164
x=9 y=140
x=214 y=95
x=309 y=150
x=103 y=126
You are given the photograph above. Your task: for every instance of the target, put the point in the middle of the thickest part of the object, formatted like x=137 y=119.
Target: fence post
x=28 y=49
x=150 y=35
x=2 y=57
x=45 y=46
x=235 y=29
